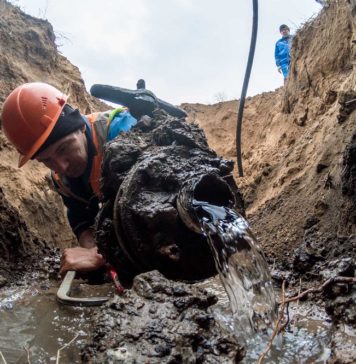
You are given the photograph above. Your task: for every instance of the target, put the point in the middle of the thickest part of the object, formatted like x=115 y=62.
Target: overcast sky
x=186 y=50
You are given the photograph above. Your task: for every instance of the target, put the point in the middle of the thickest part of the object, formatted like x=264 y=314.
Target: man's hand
x=81 y=260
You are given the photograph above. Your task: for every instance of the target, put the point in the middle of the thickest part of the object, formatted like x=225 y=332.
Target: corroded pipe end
x=207 y=188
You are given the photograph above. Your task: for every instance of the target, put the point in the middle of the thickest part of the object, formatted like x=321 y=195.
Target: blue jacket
x=282 y=51
x=81 y=214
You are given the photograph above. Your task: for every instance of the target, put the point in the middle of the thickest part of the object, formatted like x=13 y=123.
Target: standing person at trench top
x=282 y=50
x=41 y=125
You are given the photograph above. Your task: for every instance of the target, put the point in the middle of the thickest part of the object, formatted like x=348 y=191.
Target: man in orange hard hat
x=39 y=122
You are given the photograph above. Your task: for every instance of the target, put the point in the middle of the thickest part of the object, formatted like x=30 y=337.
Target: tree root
x=63 y=347
x=28 y=352
x=2 y=358
x=350 y=280
x=276 y=328
x=284 y=305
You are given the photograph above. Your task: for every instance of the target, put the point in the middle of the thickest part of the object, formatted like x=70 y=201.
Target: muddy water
x=307 y=339
x=30 y=317
x=250 y=308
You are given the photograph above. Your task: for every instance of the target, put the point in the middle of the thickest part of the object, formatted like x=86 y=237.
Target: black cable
x=245 y=86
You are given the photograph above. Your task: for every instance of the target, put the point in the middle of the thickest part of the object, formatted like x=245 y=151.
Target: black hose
x=245 y=86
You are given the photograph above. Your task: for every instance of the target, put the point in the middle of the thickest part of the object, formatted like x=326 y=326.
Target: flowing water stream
x=250 y=309
x=242 y=268
x=308 y=339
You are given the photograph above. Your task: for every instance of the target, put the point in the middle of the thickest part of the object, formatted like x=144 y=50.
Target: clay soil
x=298 y=143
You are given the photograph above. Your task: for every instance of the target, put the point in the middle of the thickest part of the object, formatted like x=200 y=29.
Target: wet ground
x=32 y=319
x=311 y=336
x=34 y=325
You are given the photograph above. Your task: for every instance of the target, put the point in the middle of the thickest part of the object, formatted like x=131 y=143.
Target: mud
x=141 y=227
x=160 y=321
x=20 y=248
x=299 y=185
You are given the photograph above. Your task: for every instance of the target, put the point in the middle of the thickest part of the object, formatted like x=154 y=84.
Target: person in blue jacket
x=282 y=50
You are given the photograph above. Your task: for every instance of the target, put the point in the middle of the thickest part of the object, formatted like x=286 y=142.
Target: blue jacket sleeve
x=276 y=55
x=121 y=122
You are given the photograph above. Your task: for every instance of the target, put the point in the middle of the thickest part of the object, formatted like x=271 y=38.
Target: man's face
x=285 y=32
x=67 y=156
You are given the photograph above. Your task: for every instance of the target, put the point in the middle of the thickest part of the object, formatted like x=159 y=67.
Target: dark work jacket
x=81 y=214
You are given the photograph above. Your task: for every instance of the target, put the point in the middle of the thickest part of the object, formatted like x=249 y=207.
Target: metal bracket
x=63 y=294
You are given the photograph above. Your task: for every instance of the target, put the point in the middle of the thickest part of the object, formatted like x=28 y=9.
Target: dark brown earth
x=168 y=321
x=298 y=147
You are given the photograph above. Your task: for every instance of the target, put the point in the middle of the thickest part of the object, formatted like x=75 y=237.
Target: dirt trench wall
x=322 y=49
x=28 y=52
x=17 y=243
x=294 y=139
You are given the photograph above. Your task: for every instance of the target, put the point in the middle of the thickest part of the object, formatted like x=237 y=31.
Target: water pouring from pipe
x=205 y=204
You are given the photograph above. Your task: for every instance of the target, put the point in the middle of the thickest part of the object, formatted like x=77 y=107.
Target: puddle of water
x=308 y=338
x=32 y=318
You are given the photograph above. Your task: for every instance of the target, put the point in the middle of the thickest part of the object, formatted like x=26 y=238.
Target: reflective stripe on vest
x=99 y=123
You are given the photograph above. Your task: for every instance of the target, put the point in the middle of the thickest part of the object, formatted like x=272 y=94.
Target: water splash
x=242 y=268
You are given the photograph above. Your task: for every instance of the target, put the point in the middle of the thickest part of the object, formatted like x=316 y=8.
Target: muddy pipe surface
x=207 y=188
x=145 y=173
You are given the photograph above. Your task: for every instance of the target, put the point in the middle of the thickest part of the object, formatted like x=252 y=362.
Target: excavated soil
x=169 y=321
x=299 y=155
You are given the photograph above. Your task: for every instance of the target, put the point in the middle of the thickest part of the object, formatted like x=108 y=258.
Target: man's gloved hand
x=279 y=69
x=81 y=260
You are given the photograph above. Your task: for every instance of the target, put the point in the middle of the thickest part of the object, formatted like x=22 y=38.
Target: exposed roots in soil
x=64 y=346
x=2 y=358
x=349 y=280
x=283 y=317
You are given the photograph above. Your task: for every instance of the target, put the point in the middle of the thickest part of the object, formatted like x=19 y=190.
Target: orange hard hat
x=29 y=115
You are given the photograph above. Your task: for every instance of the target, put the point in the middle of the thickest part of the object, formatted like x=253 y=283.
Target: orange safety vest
x=99 y=123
